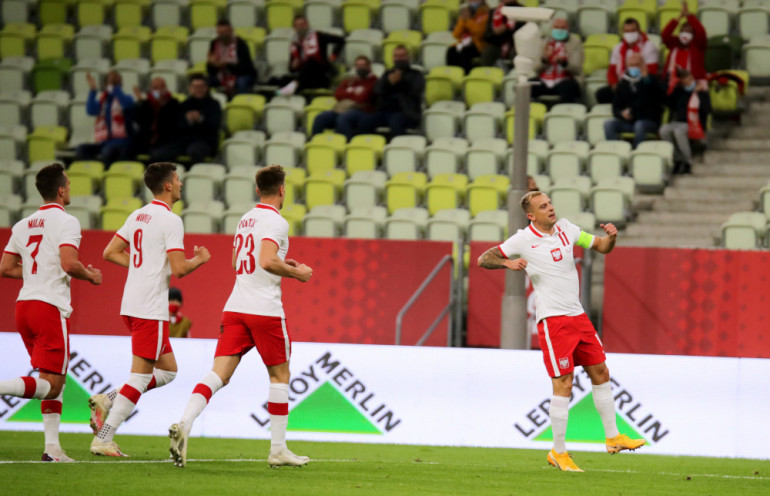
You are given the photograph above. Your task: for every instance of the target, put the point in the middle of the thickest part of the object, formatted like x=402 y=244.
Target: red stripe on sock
x=277 y=408
x=30 y=385
x=152 y=383
x=131 y=393
x=50 y=406
x=204 y=391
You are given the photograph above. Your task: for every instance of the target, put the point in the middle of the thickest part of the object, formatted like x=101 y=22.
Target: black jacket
x=680 y=99
x=244 y=67
x=505 y=37
x=644 y=97
x=167 y=128
x=404 y=96
x=208 y=129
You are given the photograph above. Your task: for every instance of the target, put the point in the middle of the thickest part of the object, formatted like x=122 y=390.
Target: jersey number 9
x=138 y=248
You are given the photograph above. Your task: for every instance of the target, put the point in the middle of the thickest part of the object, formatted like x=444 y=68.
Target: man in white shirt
x=43 y=251
x=545 y=250
x=154 y=236
x=253 y=316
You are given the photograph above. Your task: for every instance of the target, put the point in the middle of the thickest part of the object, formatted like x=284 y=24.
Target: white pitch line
x=717 y=476
x=197 y=460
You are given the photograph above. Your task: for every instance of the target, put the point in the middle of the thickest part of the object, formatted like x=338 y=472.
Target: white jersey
x=37 y=240
x=152 y=232
x=551 y=266
x=257 y=291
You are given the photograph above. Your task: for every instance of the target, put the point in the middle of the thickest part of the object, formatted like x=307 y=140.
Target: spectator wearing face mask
x=469 y=33
x=229 y=64
x=498 y=35
x=634 y=41
x=114 y=111
x=689 y=106
x=157 y=118
x=561 y=64
x=355 y=99
x=637 y=104
x=399 y=95
x=178 y=325
x=687 y=49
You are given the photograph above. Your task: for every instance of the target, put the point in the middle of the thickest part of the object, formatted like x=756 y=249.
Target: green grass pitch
x=238 y=466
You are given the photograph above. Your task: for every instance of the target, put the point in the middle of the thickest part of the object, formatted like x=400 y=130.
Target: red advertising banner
x=357 y=289
x=687 y=302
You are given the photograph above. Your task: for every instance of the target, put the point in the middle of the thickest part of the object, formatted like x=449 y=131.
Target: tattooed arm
x=493 y=259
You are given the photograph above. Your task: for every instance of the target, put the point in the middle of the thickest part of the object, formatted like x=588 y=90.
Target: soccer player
x=567 y=337
x=46 y=243
x=253 y=316
x=155 y=238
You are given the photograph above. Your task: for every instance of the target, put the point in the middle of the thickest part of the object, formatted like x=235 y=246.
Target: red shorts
x=149 y=338
x=46 y=334
x=569 y=341
x=240 y=332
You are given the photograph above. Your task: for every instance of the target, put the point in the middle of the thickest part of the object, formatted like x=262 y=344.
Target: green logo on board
x=74 y=406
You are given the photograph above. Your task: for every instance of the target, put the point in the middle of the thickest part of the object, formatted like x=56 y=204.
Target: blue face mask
x=559 y=34
x=690 y=87
x=634 y=72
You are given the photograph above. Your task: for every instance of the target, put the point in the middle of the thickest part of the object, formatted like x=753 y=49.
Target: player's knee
x=54 y=392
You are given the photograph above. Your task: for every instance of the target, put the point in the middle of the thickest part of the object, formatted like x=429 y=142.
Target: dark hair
x=270 y=179
x=175 y=294
x=49 y=179
x=363 y=57
x=682 y=73
x=157 y=174
x=298 y=17
x=197 y=76
x=631 y=20
x=401 y=46
x=224 y=22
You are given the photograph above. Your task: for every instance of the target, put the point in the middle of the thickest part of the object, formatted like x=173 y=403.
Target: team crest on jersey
x=556 y=254
x=563 y=363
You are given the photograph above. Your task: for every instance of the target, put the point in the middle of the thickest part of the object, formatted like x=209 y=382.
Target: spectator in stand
x=201 y=118
x=157 y=118
x=561 y=65
x=114 y=112
x=532 y=184
x=178 y=325
x=687 y=50
x=229 y=63
x=498 y=35
x=309 y=64
x=689 y=106
x=355 y=99
x=634 y=41
x=469 y=32
x=399 y=95
x=637 y=105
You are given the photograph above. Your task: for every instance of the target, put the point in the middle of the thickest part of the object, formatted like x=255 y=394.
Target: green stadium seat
x=244 y=112
x=130 y=12
x=90 y=13
x=409 y=38
x=130 y=42
x=363 y=153
x=358 y=14
x=53 y=12
x=279 y=13
x=117 y=210
x=436 y=15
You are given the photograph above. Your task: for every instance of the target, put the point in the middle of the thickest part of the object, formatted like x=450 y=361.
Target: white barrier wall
x=432 y=396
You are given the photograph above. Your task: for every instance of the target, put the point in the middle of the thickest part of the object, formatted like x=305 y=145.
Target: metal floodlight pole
x=513 y=326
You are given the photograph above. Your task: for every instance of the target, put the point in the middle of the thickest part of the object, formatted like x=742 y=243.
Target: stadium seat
x=409 y=38
x=663 y=148
x=445 y=156
x=485 y=156
x=753 y=21
x=482 y=84
x=203 y=182
x=279 y=14
x=50 y=74
x=316 y=106
x=168 y=13
x=91 y=42
x=53 y=41
x=98 y=68
x=47 y=108
x=433 y=49
x=567 y=159
x=245 y=13
x=243 y=112
x=488 y=225
x=442 y=119
x=404 y=190
x=364 y=42
x=358 y=14
x=284 y=149
x=241 y=151
x=12 y=138
x=715 y=20
x=611 y=199
x=364 y=189
x=403 y=154
x=14 y=106
x=282 y=113
x=277 y=46
x=448 y=224
x=324 y=187
x=324 y=221
x=14 y=72
x=445 y=191
x=435 y=16
x=11 y=172
x=363 y=153
x=115 y=212
x=648 y=170
x=756 y=54
x=45 y=141
x=296 y=177
x=395 y=15
x=744 y=231
x=16 y=39
x=597 y=49
x=487 y=192
x=406 y=224
x=569 y=195
x=593 y=17
x=324 y=152
x=130 y=43
x=365 y=223
x=15 y=11
x=203 y=216
x=442 y=83
x=483 y=120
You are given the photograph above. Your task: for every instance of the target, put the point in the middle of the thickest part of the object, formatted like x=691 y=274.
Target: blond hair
x=527 y=198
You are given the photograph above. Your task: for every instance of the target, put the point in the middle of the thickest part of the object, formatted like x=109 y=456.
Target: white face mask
x=156 y=94
x=685 y=37
x=631 y=37
x=109 y=88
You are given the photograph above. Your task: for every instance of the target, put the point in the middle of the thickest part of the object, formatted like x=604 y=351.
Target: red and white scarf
x=307 y=48
x=117 y=127
x=553 y=72
x=624 y=48
x=228 y=53
x=498 y=20
x=694 y=128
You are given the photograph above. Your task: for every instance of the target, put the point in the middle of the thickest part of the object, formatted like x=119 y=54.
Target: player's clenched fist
x=518 y=264
x=94 y=275
x=202 y=253
x=304 y=273
x=610 y=229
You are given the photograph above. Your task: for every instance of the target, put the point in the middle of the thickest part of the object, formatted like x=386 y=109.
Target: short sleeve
x=124 y=232
x=576 y=236
x=70 y=233
x=277 y=232
x=13 y=244
x=174 y=234
x=511 y=246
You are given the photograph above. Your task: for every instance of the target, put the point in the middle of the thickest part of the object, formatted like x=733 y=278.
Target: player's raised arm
x=181 y=267
x=494 y=259
x=116 y=253
x=10 y=266
x=271 y=262
x=75 y=268
x=605 y=244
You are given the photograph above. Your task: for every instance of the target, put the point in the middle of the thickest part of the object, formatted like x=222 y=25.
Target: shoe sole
x=94 y=416
x=177 y=445
x=114 y=455
x=613 y=450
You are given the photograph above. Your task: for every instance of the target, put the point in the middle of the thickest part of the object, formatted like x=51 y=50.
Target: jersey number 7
x=36 y=240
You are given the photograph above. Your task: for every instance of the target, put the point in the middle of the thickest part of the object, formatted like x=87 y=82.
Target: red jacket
x=691 y=57
x=359 y=90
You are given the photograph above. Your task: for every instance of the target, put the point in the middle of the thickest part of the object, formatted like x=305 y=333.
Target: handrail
x=400 y=317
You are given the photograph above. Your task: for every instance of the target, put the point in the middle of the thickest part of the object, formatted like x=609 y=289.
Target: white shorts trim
x=550 y=349
x=66 y=357
x=160 y=340
x=286 y=342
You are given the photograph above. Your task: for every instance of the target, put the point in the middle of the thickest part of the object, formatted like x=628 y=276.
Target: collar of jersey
x=268 y=207
x=52 y=205
x=543 y=235
x=162 y=204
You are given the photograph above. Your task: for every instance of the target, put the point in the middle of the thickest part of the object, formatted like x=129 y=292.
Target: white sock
x=160 y=378
x=26 y=387
x=289 y=89
x=605 y=405
x=202 y=393
x=278 y=408
x=559 y=413
x=51 y=410
x=124 y=404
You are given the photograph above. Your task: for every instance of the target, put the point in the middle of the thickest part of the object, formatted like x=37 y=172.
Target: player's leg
x=51 y=408
x=165 y=371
